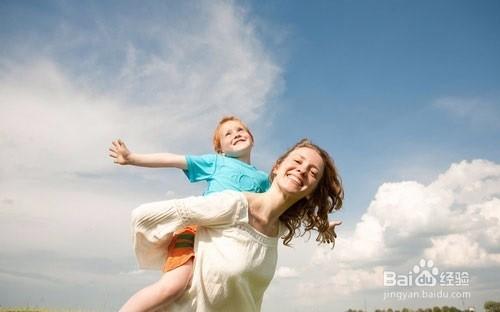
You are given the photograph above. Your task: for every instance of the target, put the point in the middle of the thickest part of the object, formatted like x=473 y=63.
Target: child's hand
x=119 y=152
x=333 y=224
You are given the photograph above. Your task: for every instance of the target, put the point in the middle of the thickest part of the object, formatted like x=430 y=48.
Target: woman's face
x=299 y=173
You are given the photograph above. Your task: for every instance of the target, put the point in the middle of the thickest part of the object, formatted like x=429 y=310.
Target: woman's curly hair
x=312 y=211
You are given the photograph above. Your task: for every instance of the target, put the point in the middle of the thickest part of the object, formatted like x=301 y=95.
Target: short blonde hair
x=216 y=139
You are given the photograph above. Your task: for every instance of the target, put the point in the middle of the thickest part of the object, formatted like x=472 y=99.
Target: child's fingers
x=115 y=144
x=120 y=142
x=113 y=155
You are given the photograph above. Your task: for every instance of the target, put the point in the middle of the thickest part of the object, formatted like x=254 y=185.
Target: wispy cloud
x=286 y=272
x=201 y=68
x=30 y=275
x=477 y=111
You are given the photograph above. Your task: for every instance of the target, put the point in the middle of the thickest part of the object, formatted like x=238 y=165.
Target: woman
x=236 y=244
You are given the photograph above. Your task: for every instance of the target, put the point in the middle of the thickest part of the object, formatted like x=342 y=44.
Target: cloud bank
x=453 y=221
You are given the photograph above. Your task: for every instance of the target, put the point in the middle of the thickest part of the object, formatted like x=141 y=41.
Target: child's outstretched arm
x=121 y=155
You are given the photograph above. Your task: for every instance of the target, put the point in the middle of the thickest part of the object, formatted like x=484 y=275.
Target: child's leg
x=171 y=285
x=178 y=268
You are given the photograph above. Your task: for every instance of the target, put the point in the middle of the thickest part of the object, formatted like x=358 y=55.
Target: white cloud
x=50 y=127
x=453 y=221
x=349 y=281
x=491 y=214
x=459 y=250
x=336 y=285
x=369 y=231
x=469 y=182
x=407 y=211
x=286 y=272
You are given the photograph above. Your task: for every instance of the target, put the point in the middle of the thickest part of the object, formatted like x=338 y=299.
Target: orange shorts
x=181 y=248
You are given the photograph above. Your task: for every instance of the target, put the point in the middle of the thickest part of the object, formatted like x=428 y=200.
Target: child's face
x=235 y=141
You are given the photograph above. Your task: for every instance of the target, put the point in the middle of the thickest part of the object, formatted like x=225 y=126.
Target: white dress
x=234 y=263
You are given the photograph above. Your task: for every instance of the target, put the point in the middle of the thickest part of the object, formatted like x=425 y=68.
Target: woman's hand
x=332 y=226
x=119 y=152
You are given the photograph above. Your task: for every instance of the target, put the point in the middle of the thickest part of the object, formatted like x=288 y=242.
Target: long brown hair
x=312 y=210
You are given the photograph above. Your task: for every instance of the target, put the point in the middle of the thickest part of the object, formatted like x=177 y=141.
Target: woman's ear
x=274 y=171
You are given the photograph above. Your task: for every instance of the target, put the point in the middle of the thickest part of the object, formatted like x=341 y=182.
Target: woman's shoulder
x=228 y=194
x=230 y=198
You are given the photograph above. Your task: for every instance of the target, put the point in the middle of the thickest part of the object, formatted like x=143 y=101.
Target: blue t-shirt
x=225 y=173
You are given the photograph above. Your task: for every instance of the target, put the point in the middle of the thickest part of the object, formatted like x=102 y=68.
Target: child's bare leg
x=171 y=285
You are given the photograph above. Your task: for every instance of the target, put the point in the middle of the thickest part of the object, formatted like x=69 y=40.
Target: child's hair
x=312 y=211
x=216 y=139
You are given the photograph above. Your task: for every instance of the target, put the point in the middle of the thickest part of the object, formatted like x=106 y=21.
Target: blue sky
x=403 y=94
x=376 y=68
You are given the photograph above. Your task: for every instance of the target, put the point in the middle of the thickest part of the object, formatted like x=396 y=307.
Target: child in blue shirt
x=225 y=173
x=229 y=169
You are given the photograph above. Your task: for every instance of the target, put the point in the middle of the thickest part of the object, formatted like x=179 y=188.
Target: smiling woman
x=236 y=243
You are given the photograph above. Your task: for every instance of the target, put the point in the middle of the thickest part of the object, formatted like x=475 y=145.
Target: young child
x=229 y=169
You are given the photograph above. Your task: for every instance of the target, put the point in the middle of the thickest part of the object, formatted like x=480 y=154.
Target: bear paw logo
x=426 y=273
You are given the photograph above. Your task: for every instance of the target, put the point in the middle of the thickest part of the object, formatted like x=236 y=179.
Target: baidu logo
x=423 y=274
x=427 y=274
